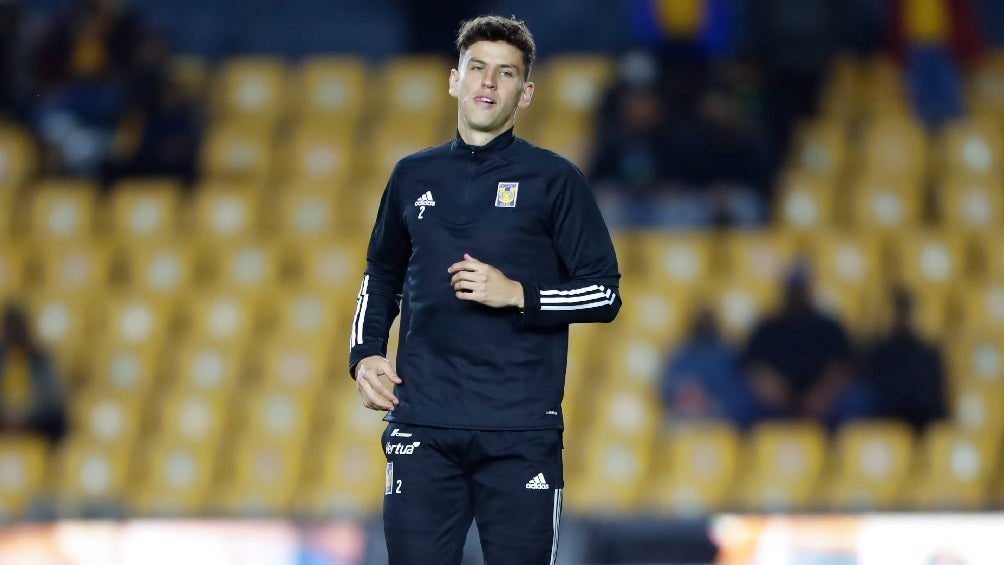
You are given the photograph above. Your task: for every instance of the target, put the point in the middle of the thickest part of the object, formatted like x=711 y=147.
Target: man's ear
x=526 y=95
x=454 y=81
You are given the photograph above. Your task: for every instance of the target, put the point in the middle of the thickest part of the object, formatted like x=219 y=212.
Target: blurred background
x=806 y=197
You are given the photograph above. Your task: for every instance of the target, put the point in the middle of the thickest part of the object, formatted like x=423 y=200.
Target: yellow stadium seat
x=873 y=459
x=882 y=90
x=739 y=305
x=977 y=357
x=121 y=369
x=895 y=146
x=612 y=479
x=238 y=151
x=956 y=469
x=694 y=468
x=145 y=208
x=983 y=307
x=635 y=360
x=329 y=264
x=8 y=205
x=222 y=317
x=572 y=140
x=161 y=268
x=13 y=258
x=930 y=260
x=838 y=99
x=190 y=417
x=90 y=472
x=416 y=85
x=249 y=266
x=135 y=320
x=342 y=412
x=175 y=481
x=655 y=312
x=106 y=419
x=626 y=414
x=575 y=85
x=318 y=154
x=978 y=406
x=61 y=324
x=332 y=90
x=279 y=414
x=308 y=210
x=264 y=477
x=204 y=367
x=984 y=87
x=18 y=159
x=805 y=202
x=23 y=461
x=971 y=204
x=992 y=254
x=350 y=480
x=676 y=260
x=933 y=309
x=785 y=464
x=294 y=365
x=393 y=141
x=76 y=267
x=972 y=147
x=226 y=213
x=886 y=203
x=63 y=210
x=759 y=257
x=309 y=316
x=845 y=303
x=250 y=88
x=846 y=258
x=819 y=148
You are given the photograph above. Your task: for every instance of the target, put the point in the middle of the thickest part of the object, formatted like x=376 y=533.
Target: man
x=491 y=247
x=798 y=361
x=906 y=372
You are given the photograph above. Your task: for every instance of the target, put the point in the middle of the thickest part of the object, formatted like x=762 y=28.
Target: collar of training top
x=501 y=141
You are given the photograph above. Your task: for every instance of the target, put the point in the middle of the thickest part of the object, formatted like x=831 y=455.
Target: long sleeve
x=581 y=238
x=379 y=298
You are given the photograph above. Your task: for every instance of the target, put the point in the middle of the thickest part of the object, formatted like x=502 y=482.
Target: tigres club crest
x=506 y=195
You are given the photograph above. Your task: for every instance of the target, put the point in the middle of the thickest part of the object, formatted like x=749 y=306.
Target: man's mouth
x=484 y=100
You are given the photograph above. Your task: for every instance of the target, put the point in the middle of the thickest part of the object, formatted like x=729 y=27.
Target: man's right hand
x=375 y=394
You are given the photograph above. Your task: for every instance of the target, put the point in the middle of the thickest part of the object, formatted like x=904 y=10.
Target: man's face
x=489 y=87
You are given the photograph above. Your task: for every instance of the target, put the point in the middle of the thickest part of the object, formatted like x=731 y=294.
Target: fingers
x=375 y=395
x=468 y=276
x=468 y=264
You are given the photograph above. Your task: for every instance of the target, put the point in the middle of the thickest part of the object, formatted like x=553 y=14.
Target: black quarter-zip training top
x=524 y=210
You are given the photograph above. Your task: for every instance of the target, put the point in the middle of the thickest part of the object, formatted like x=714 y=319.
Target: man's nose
x=488 y=80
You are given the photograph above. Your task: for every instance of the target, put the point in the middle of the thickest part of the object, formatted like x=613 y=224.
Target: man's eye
x=477 y=68
x=506 y=74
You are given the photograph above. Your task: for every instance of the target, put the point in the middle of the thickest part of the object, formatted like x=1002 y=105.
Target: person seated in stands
x=702 y=380
x=798 y=361
x=31 y=399
x=905 y=371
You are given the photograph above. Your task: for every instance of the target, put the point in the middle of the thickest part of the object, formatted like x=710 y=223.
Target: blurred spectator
x=10 y=26
x=159 y=132
x=30 y=396
x=792 y=43
x=798 y=361
x=933 y=39
x=80 y=69
x=905 y=372
x=632 y=151
x=702 y=378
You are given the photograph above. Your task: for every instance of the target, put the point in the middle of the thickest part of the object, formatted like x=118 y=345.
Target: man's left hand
x=481 y=282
